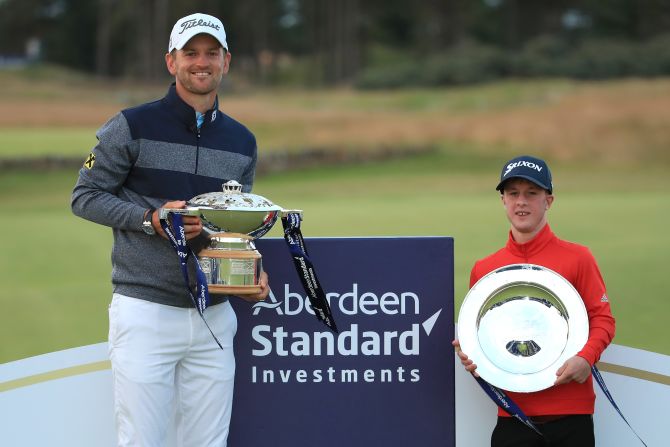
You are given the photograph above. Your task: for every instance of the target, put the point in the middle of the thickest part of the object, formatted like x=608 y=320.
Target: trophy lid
x=233 y=199
x=232 y=210
x=519 y=324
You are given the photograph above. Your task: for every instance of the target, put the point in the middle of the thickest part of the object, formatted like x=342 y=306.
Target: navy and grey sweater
x=146 y=156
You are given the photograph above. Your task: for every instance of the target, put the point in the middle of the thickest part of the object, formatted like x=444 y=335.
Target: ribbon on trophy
x=599 y=379
x=177 y=239
x=173 y=226
x=233 y=220
x=502 y=400
x=305 y=268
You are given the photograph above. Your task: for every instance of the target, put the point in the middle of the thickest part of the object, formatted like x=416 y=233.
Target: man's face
x=526 y=205
x=199 y=66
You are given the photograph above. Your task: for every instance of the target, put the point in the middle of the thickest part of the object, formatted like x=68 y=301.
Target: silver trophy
x=519 y=324
x=232 y=220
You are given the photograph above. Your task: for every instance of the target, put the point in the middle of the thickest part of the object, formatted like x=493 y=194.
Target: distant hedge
x=546 y=56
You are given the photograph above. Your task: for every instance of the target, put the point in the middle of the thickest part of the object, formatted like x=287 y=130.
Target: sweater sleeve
x=95 y=195
x=591 y=287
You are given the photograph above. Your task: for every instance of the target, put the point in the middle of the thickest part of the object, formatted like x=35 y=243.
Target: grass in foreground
x=55 y=271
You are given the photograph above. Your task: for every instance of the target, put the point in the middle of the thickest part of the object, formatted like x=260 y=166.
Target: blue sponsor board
x=386 y=379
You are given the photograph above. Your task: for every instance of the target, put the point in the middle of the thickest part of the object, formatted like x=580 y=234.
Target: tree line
x=368 y=43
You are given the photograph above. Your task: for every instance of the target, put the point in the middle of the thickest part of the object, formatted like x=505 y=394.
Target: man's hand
x=574 y=369
x=265 y=290
x=465 y=361
x=192 y=224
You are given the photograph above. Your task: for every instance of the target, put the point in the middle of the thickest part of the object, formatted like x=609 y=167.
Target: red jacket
x=576 y=264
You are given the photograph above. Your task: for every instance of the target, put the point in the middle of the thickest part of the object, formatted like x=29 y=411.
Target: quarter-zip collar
x=532 y=247
x=185 y=112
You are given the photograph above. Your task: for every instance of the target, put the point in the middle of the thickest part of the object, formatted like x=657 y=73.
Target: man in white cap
x=159 y=155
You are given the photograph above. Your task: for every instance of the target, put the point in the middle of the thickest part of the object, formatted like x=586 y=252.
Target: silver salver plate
x=519 y=324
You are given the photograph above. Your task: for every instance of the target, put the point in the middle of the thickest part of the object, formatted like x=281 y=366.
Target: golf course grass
x=611 y=177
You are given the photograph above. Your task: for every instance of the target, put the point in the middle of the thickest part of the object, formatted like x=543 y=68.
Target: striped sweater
x=146 y=156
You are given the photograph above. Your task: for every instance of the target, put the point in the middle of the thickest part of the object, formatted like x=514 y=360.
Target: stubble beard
x=201 y=90
x=197 y=88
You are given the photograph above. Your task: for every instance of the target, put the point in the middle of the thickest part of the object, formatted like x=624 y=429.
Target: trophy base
x=231 y=264
x=219 y=289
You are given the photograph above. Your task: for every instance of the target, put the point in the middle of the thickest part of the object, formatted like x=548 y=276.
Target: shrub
x=466 y=64
x=543 y=56
x=602 y=59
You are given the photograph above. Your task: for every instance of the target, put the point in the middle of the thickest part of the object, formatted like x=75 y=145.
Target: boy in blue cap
x=564 y=412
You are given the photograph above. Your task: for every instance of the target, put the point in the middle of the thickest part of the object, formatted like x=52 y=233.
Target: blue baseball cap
x=526 y=167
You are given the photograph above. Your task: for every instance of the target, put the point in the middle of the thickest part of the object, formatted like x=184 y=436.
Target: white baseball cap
x=197 y=23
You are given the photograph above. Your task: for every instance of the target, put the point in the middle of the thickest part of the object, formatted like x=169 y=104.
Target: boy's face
x=526 y=205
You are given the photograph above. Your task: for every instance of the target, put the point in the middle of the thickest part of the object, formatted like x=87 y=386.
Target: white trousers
x=166 y=363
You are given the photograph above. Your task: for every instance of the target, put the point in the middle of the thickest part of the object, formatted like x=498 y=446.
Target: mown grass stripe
x=54 y=375
x=635 y=373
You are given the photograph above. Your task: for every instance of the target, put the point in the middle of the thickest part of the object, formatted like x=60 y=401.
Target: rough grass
x=617 y=122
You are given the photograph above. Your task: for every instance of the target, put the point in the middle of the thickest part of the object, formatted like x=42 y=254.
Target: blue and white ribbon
x=506 y=403
x=502 y=400
x=599 y=379
x=177 y=237
x=305 y=268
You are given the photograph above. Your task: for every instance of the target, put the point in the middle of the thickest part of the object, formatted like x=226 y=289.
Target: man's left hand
x=574 y=369
x=192 y=224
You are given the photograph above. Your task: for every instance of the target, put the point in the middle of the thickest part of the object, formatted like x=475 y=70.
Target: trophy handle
x=163 y=213
x=285 y=213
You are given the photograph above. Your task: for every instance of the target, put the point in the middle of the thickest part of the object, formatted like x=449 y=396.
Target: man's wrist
x=147 y=222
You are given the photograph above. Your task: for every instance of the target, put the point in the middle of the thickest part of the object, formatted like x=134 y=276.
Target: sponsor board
x=386 y=379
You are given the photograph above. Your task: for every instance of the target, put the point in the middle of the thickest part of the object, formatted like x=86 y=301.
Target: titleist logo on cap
x=197 y=22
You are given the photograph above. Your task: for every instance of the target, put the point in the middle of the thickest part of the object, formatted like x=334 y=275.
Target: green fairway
x=46 y=141
x=55 y=269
